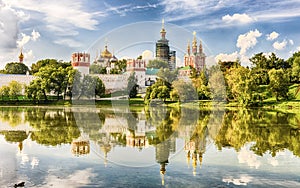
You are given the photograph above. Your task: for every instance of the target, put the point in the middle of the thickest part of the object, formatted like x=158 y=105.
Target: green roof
x=151 y=71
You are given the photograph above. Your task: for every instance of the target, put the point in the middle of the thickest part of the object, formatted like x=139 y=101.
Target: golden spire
x=163 y=31
x=162 y=173
x=21 y=56
x=194 y=39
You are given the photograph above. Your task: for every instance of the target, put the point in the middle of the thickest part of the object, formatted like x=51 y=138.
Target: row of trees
x=269 y=76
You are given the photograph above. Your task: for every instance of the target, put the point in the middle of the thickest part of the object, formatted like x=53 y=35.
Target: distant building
x=106 y=59
x=193 y=59
x=81 y=62
x=163 y=52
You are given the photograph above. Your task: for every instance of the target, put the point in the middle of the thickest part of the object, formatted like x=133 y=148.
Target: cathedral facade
x=195 y=57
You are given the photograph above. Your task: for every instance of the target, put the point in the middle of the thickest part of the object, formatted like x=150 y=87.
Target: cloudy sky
x=229 y=29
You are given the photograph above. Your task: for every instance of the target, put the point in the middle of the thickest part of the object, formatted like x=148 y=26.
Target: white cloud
x=247 y=40
x=28 y=56
x=243 y=180
x=77 y=179
x=245 y=156
x=24 y=40
x=147 y=54
x=272 y=36
x=68 y=42
x=34 y=162
x=35 y=35
x=210 y=61
x=70 y=14
x=280 y=45
x=237 y=18
x=291 y=42
x=273 y=161
x=298 y=48
x=227 y=57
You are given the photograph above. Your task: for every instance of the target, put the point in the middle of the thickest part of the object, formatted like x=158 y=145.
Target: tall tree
x=132 y=86
x=278 y=83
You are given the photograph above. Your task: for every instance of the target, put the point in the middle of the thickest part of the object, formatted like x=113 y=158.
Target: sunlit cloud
x=272 y=36
x=243 y=180
x=248 y=157
x=227 y=57
x=247 y=40
x=279 y=45
x=273 y=161
x=237 y=18
x=78 y=178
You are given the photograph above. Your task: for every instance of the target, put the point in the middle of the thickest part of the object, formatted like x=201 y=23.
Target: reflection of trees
x=270 y=131
x=52 y=126
x=165 y=120
x=14 y=136
x=13 y=116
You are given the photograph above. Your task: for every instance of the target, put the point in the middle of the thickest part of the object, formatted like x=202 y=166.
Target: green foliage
x=12 y=90
x=159 y=90
x=200 y=82
x=97 y=69
x=157 y=64
x=15 y=68
x=183 y=91
x=167 y=75
x=278 y=83
x=53 y=77
x=89 y=86
x=226 y=65
x=296 y=68
x=35 y=67
x=242 y=85
x=132 y=87
x=217 y=86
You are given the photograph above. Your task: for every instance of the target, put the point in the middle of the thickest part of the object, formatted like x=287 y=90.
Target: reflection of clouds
x=24 y=159
x=273 y=161
x=248 y=157
x=243 y=180
x=77 y=179
x=34 y=162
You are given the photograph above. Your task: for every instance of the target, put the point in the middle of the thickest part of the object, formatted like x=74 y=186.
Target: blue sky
x=229 y=29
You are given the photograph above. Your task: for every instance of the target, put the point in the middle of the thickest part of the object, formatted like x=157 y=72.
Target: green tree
x=296 y=68
x=4 y=92
x=226 y=65
x=216 y=84
x=132 y=86
x=157 y=64
x=36 y=90
x=35 y=67
x=183 y=91
x=200 y=82
x=91 y=86
x=242 y=85
x=159 y=90
x=278 y=83
x=16 y=68
x=166 y=75
x=97 y=69
x=15 y=89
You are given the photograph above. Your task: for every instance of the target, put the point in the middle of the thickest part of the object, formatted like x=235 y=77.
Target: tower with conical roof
x=162 y=45
x=21 y=56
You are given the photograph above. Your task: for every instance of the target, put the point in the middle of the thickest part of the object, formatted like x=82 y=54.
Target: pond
x=156 y=146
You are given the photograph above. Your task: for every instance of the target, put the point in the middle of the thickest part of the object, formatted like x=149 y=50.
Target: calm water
x=148 y=147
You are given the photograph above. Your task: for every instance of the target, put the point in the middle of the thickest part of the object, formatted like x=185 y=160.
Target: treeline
x=268 y=76
x=54 y=78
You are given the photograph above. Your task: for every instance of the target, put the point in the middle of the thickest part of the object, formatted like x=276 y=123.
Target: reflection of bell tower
x=162 y=152
x=20 y=146
x=80 y=147
x=105 y=149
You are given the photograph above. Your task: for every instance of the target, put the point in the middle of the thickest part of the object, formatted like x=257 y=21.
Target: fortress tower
x=81 y=62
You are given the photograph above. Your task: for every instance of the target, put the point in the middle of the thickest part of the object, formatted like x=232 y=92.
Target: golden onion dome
x=106 y=53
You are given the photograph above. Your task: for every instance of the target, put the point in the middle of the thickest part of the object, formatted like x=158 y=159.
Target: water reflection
x=130 y=136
